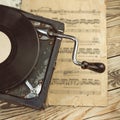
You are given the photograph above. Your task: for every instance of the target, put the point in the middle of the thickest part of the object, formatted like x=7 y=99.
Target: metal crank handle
x=96 y=67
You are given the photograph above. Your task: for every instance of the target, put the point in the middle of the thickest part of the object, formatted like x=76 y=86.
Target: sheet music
x=85 y=19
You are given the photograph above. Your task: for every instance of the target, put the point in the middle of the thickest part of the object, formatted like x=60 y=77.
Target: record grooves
x=25 y=48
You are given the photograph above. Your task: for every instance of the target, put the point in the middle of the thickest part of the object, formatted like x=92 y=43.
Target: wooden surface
x=110 y=112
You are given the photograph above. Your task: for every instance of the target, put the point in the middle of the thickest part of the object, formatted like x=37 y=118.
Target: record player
x=25 y=75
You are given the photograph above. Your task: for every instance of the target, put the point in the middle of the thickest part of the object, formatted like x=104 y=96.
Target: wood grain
x=110 y=112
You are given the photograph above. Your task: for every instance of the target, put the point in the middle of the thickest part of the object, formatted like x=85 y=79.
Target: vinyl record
x=25 y=48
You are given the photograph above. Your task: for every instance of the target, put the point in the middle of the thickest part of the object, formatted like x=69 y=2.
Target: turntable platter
x=24 y=48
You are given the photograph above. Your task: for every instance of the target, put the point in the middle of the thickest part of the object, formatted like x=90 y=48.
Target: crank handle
x=96 y=67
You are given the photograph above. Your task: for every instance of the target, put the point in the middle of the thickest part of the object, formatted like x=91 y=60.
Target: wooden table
x=110 y=112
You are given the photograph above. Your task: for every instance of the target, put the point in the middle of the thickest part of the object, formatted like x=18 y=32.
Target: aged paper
x=86 y=20
x=12 y=3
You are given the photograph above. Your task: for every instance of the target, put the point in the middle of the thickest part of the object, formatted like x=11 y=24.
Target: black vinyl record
x=25 y=48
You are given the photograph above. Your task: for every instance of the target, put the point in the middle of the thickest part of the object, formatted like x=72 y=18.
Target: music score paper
x=85 y=19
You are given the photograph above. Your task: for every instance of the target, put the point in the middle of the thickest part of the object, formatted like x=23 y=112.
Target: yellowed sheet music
x=85 y=19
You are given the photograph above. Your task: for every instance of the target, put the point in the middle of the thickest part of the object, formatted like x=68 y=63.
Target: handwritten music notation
x=78 y=21
x=63 y=11
x=86 y=51
x=75 y=82
x=90 y=92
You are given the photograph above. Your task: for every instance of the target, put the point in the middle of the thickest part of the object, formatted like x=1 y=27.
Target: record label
x=5 y=47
